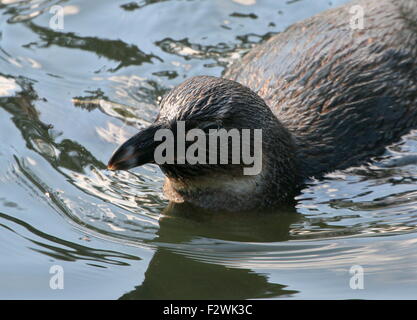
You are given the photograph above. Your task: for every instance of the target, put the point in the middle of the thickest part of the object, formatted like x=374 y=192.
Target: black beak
x=136 y=151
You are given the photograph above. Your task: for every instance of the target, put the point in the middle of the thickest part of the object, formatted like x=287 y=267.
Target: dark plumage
x=327 y=97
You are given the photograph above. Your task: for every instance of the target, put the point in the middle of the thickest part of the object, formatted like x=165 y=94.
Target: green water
x=69 y=97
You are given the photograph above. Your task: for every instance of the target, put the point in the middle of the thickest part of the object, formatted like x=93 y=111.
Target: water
x=69 y=97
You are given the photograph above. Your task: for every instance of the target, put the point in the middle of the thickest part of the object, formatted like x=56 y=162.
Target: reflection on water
x=64 y=250
x=184 y=265
x=69 y=97
x=174 y=276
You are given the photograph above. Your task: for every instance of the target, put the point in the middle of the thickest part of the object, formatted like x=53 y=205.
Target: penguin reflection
x=175 y=273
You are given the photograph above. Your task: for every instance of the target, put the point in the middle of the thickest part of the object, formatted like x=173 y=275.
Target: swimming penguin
x=325 y=94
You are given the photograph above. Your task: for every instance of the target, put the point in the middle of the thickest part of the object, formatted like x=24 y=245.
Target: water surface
x=69 y=97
